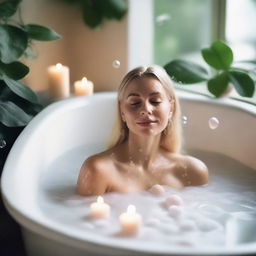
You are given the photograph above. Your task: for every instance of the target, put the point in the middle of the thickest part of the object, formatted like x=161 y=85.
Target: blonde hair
x=171 y=136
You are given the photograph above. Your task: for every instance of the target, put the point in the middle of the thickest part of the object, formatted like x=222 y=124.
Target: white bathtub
x=82 y=121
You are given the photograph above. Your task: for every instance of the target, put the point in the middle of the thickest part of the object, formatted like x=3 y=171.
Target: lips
x=146 y=122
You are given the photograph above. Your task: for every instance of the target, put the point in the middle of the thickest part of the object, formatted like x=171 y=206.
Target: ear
x=121 y=112
x=172 y=107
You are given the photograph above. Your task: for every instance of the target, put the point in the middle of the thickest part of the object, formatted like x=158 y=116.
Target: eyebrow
x=137 y=95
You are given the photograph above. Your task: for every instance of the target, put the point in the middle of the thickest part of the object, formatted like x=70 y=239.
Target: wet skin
x=140 y=161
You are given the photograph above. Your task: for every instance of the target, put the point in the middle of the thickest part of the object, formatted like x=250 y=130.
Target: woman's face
x=146 y=108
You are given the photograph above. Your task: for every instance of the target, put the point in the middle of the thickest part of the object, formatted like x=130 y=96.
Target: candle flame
x=131 y=209
x=100 y=200
x=84 y=80
x=58 y=66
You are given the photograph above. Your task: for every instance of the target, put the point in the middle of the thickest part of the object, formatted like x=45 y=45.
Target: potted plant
x=94 y=12
x=18 y=103
x=227 y=74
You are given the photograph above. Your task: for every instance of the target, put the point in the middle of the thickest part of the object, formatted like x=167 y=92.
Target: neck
x=142 y=150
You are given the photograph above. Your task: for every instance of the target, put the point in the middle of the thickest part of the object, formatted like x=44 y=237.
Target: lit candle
x=99 y=209
x=58 y=77
x=130 y=221
x=83 y=87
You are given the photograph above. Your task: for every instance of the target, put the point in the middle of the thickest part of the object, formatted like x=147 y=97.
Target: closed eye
x=135 y=103
x=156 y=102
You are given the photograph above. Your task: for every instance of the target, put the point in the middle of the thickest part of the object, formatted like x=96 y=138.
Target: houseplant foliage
x=219 y=57
x=18 y=103
x=95 y=11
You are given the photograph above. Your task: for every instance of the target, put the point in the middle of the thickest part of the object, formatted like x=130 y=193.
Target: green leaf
x=218 y=56
x=13 y=43
x=40 y=33
x=218 y=84
x=15 y=70
x=20 y=89
x=242 y=82
x=8 y=8
x=186 y=72
x=92 y=15
x=11 y=115
x=114 y=9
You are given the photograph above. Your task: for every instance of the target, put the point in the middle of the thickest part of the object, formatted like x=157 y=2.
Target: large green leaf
x=218 y=84
x=186 y=72
x=92 y=15
x=11 y=115
x=22 y=90
x=7 y=95
x=40 y=33
x=15 y=70
x=114 y=9
x=218 y=56
x=8 y=8
x=242 y=82
x=13 y=43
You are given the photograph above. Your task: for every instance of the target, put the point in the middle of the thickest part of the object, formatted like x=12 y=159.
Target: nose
x=145 y=110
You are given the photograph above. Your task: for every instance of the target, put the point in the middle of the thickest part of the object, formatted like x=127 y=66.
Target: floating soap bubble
x=213 y=123
x=116 y=64
x=161 y=19
x=157 y=190
x=175 y=211
x=173 y=200
x=184 y=119
x=2 y=143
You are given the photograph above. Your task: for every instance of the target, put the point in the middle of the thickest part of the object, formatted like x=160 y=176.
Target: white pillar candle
x=83 y=87
x=130 y=221
x=99 y=209
x=58 y=77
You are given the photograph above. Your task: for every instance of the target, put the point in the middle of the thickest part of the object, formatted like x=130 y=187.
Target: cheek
x=127 y=113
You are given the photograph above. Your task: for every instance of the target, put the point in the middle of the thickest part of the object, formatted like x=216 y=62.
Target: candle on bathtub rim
x=99 y=209
x=130 y=221
x=58 y=78
x=83 y=87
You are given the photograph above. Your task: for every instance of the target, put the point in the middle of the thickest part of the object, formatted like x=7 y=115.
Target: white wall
x=87 y=52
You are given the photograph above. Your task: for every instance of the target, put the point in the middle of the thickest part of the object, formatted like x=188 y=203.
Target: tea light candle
x=83 y=87
x=58 y=77
x=130 y=221
x=99 y=209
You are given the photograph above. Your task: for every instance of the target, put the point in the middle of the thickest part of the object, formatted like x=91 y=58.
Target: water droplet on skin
x=3 y=143
x=140 y=149
x=116 y=64
x=213 y=123
x=184 y=119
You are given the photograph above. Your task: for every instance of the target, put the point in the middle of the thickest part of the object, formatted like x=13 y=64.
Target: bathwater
x=219 y=214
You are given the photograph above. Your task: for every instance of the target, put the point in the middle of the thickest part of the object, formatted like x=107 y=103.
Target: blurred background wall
x=85 y=51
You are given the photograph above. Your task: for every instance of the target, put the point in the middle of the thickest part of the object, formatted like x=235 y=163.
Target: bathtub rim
x=59 y=234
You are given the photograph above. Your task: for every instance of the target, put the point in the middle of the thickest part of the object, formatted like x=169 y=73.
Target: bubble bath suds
x=220 y=214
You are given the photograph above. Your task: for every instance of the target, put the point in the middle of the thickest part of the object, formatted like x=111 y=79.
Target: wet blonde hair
x=171 y=136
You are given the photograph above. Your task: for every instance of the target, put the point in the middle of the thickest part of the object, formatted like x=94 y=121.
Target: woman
x=146 y=141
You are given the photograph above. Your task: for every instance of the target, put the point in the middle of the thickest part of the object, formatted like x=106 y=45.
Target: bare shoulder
x=94 y=175
x=188 y=169
x=197 y=170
